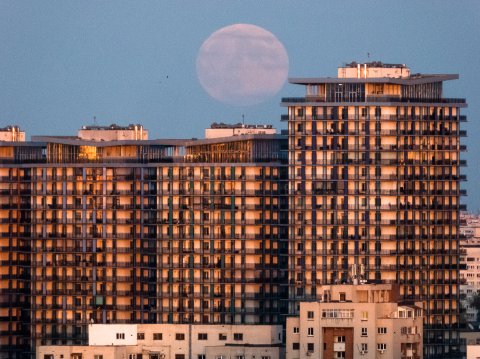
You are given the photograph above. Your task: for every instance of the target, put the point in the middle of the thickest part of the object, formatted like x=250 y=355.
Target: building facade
x=173 y=341
x=374 y=171
x=95 y=230
x=470 y=266
x=356 y=321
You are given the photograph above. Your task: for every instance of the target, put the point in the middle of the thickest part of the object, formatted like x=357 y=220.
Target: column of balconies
x=228 y=238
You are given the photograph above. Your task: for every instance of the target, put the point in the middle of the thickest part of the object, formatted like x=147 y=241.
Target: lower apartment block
x=356 y=321
x=171 y=341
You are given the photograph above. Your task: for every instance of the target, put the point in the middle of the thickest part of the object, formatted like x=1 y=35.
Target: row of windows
x=181 y=336
x=364 y=331
x=338 y=313
x=311 y=346
x=152 y=356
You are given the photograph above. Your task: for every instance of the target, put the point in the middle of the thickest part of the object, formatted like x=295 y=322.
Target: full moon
x=242 y=65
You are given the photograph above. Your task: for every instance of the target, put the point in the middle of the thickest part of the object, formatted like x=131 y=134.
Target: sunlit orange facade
x=374 y=173
x=138 y=231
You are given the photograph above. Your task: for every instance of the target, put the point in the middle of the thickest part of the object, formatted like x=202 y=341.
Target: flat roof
x=209 y=141
x=75 y=141
x=415 y=79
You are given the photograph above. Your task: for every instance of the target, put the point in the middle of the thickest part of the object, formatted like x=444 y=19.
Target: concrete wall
x=112 y=334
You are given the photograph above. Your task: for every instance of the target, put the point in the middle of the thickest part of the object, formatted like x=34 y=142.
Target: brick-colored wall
x=329 y=335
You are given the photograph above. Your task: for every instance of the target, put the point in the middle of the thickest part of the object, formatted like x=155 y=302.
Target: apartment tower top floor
x=130 y=144
x=375 y=82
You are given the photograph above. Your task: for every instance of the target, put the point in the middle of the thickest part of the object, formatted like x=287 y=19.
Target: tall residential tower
x=374 y=173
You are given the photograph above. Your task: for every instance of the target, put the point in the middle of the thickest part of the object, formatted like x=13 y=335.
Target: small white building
x=173 y=341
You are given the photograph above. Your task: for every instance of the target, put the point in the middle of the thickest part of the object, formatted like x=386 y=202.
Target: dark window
x=222 y=336
x=237 y=336
x=310 y=347
x=157 y=336
x=296 y=346
x=179 y=336
x=202 y=336
x=140 y=336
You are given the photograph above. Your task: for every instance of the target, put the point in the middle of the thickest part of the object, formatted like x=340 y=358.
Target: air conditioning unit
x=381 y=351
x=363 y=352
x=309 y=354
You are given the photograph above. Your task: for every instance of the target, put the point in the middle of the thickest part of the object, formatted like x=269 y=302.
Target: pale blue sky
x=64 y=62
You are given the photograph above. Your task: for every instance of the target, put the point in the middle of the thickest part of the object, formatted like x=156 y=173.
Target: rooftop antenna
x=243 y=119
x=94 y=120
x=368 y=55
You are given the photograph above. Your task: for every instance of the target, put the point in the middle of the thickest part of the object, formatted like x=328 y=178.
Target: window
x=76 y=356
x=310 y=347
x=310 y=315
x=179 y=336
x=310 y=332
x=98 y=356
x=237 y=336
x=382 y=330
x=343 y=297
x=157 y=336
x=120 y=335
x=240 y=357
x=408 y=330
x=364 y=347
x=364 y=315
x=141 y=336
x=381 y=346
x=364 y=332
x=339 y=339
x=296 y=330
x=201 y=356
x=222 y=336
x=179 y=356
x=266 y=357
x=295 y=346
x=48 y=356
x=202 y=336
x=337 y=313
x=339 y=355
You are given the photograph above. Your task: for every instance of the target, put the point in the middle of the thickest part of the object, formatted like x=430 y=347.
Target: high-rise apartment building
x=374 y=173
x=109 y=227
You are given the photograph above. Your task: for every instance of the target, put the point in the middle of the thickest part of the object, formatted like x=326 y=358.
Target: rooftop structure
x=113 y=133
x=12 y=134
x=226 y=130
